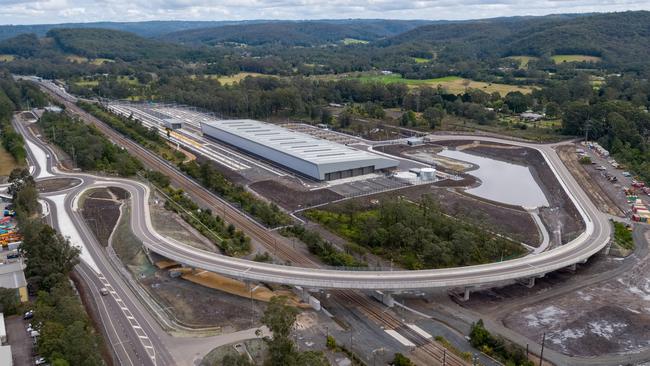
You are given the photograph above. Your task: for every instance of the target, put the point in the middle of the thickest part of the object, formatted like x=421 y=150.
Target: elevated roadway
x=593 y=239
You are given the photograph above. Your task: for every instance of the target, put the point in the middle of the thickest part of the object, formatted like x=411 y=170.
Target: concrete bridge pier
x=385 y=297
x=466 y=293
x=306 y=297
x=529 y=282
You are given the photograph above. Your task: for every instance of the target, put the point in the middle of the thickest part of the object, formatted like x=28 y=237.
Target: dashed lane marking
x=142 y=335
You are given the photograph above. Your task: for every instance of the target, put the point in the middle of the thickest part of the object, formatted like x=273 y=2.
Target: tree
x=408 y=119
x=345 y=119
x=517 y=101
x=279 y=318
x=8 y=301
x=433 y=116
x=326 y=117
x=401 y=360
x=235 y=360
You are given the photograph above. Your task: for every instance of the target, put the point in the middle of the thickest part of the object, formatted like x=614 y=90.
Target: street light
x=374 y=356
x=252 y=312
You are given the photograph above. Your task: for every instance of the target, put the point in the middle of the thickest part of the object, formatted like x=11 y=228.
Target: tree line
x=15 y=96
x=86 y=146
x=66 y=334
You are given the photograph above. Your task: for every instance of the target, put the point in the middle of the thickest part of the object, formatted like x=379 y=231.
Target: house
x=530 y=116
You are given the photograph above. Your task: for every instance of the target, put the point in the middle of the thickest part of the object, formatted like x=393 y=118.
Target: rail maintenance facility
x=307 y=155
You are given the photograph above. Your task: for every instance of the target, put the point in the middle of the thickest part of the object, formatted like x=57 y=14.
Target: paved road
x=595 y=237
x=588 y=243
x=130 y=330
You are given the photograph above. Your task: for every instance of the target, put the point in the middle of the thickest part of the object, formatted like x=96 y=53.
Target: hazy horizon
x=32 y=12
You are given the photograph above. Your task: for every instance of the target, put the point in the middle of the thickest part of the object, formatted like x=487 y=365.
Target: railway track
x=274 y=242
x=433 y=350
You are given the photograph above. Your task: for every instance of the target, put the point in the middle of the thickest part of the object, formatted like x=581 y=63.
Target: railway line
x=274 y=242
x=307 y=273
x=387 y=320
x=368 y=307
x=594 y=238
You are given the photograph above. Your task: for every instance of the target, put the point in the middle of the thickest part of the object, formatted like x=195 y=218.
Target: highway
x=593 y=239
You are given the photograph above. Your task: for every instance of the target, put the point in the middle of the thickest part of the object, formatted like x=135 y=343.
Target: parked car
x=39 y=361
x=28 y=315
x=626 y=174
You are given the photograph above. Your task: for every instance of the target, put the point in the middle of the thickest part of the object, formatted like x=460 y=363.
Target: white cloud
x=59 y=11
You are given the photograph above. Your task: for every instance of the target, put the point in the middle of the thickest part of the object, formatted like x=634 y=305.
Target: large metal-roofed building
x=310 y=156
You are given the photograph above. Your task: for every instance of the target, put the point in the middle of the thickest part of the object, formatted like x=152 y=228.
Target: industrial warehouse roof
x=299 y=145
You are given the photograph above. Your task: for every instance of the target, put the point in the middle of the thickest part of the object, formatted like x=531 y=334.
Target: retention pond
x=501 y=181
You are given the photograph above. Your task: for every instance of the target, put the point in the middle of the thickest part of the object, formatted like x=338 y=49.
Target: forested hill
x=144 y=29
x=111 y=44
x=296 y=33
x=92 y=43
x=619 y=38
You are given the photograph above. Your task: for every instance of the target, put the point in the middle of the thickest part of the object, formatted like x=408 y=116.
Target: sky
x=64 y=11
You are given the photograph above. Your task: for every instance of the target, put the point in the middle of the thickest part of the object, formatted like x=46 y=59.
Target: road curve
x=592 y=240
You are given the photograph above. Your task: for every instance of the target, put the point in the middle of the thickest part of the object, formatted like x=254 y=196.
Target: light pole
x=252 y=311
x=374 y=355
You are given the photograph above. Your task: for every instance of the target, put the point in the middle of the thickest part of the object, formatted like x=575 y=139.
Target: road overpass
x=595 y=237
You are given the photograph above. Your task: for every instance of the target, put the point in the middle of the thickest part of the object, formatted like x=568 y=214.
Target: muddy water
x=502 y=182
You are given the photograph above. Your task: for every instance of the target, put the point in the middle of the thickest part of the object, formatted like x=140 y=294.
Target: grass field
x=558 y=59
x=348 y=41
x=453 y=84
x=523 y=60
x=420 y=60
x=232 y=79
x=7 y=162
x=87 y=83
x=7 y=58
x=101 y=61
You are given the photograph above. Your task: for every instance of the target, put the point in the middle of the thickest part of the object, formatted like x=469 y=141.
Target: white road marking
x=400 y=338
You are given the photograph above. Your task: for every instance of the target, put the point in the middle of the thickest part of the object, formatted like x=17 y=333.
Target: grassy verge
x=467 y=356
x=623 y=236
x=7 y=162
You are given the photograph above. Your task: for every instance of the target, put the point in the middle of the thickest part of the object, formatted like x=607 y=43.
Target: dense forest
x=295 y=33
x=417 y=236
x=607 y=93
x=15 y=96
x=86 y=146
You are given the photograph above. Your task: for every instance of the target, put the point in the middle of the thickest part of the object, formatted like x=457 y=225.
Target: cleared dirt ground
x=291 y=196
x=189 y=303
x=590 y=183
x=56 y=184
x=101 y=210
x=602 y=308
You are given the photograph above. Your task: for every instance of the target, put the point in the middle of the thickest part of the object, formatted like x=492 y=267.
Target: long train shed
x=307 y=155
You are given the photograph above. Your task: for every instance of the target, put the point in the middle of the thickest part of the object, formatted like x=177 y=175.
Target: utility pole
x=541 y=354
